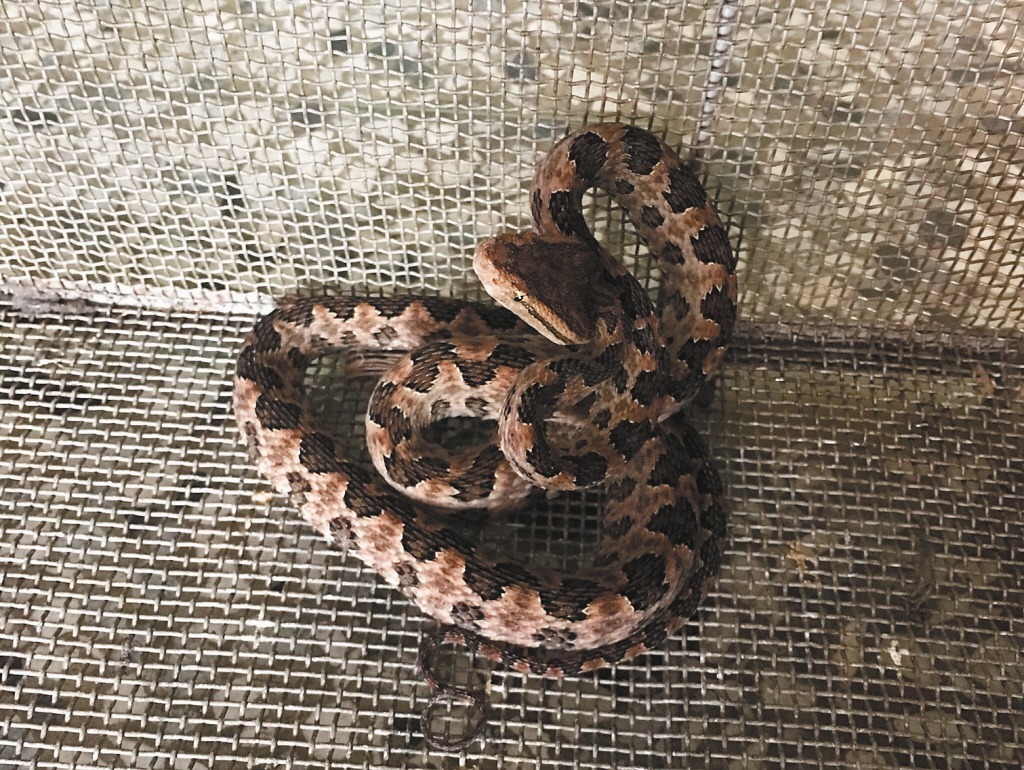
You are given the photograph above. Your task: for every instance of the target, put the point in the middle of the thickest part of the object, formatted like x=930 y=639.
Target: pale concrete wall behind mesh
x=870 y=154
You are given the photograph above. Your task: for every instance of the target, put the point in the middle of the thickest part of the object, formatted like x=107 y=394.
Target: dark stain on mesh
x=589 y=152
x=711 y=246
x=276 y=414
x=677 y=521
x=645 y=578
x=643 y=150
x=716 y=306
x=628 y=437
x=651 y=217
x=684 y=191
x=316 y=453
x=565 y=213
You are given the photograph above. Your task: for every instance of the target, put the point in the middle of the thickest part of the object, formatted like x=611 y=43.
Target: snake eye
x=519 y=298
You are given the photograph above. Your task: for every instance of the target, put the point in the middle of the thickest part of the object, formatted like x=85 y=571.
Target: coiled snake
x=585 y=403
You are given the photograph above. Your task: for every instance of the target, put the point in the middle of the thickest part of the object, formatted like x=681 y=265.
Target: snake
x=582 y=378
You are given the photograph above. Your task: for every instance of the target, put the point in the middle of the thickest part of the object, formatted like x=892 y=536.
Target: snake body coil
x=589 y=403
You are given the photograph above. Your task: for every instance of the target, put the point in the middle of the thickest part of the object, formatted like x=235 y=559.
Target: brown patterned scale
x=587 y=405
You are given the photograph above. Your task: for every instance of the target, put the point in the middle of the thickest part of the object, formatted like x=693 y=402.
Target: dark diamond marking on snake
x=651 y=217
x=619 y=490
x=497 y=318
x=316 y=454
x=694 y=352
x=441 y=310
x=623 y=187
x=475 y=374
x=628 y=437
x=376 y=409
x=588 y=469
x=601 y=418
x=276 y=414
x=397 y=425
x=644 y=339
x=650 y=386
x=422 y=544
x=536 y=205
x=537 y=398
x=684 y=191
x=249 y=368
x=566 y=214
x=568 y=601
x=298 y=359
x=643 y=150
x=645 y=578
x=479 y=479
x=711 y=246
x=666 y=470
x=539 y=457
x=671 y=253
x=514 y=356
x=616 y=529
x=677 y=521
x=589 y=152
x=489 y=583
x=716 y=306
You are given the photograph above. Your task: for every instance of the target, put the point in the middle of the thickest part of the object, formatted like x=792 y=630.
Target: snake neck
x=675 y=219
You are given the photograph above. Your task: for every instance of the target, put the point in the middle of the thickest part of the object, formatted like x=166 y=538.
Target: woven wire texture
x=169 y=167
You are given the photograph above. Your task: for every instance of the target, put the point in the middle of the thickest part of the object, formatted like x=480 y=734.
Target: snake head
x=546 y=282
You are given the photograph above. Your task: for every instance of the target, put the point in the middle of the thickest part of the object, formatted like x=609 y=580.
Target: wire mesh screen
x=167 y=168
